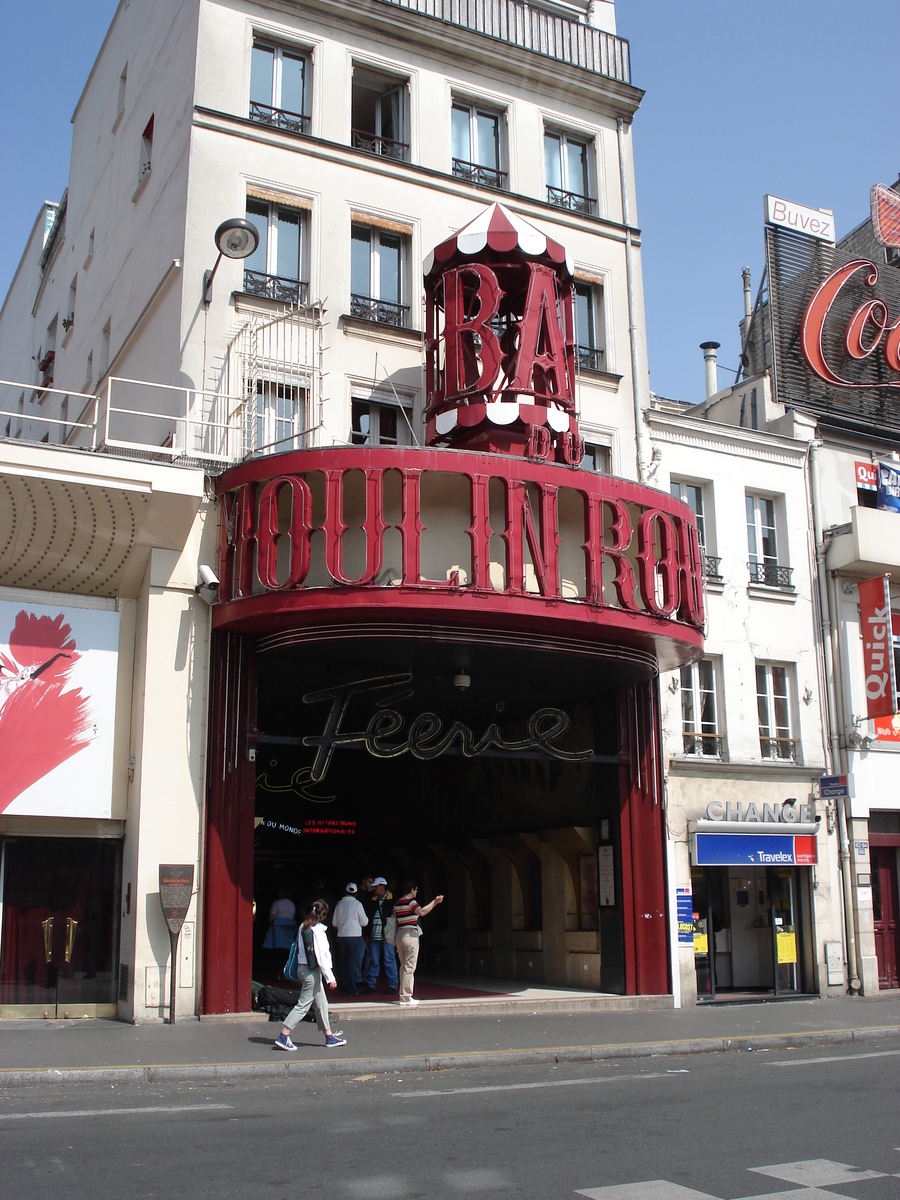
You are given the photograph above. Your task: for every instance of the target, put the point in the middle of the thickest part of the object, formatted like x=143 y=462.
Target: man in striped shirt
x=407 y=910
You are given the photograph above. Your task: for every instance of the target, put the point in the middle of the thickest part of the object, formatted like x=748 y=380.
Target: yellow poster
x=787 y=947
x=701 y=943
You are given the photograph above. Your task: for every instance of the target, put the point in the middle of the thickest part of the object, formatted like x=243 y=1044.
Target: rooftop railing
x=532 y=28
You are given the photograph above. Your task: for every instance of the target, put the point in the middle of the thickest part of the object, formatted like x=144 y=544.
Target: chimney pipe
x=748 y=300
x=709 y=358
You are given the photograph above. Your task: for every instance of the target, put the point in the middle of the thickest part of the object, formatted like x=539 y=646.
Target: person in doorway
x=282 y=923
x=313 y=967
x=407 y=911
x=381 y=953
x=348 y=921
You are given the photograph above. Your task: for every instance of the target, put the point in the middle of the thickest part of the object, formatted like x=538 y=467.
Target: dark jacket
x=371 y=906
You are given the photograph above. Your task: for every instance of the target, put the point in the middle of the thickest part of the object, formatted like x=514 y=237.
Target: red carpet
x=424 y=990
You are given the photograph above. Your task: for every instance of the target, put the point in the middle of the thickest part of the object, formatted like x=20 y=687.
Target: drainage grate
x=123 y=981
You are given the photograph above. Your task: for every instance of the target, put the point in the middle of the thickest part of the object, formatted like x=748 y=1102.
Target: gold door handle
x=47 y=927
x=71 y=926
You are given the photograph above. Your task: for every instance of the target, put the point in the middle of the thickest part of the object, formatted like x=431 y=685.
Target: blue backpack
x=290 y=967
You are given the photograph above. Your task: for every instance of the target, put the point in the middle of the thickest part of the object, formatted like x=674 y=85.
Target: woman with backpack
x=313 y=962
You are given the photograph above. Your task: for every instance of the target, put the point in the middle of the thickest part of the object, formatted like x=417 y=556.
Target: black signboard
x=176 y=886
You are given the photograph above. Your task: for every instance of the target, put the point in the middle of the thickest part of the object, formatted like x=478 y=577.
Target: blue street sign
x=832 y=786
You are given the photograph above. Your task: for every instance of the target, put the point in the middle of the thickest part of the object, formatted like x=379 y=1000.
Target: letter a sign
x=878 y=648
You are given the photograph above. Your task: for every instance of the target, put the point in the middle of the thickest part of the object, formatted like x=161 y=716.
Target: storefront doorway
x=59 y=930
x=886 y=910
x=752 y=931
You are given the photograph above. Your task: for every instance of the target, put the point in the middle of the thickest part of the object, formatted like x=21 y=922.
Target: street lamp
x=235 y=238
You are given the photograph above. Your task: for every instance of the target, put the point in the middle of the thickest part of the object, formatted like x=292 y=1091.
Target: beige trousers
x=407 y=947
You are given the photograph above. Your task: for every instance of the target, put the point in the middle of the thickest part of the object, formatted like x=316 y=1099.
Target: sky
x=797 y=98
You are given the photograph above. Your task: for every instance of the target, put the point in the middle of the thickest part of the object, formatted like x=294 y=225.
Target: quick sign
x=755 y=850
x=878 y=649
x=815 y=222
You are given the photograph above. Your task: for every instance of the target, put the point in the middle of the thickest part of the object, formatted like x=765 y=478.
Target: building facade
x=376 y=536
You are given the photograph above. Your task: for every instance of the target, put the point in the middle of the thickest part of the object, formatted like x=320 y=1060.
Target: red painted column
x=643 y=848
x=230 y=806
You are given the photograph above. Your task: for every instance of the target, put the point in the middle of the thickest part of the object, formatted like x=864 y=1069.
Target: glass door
x=59 y=930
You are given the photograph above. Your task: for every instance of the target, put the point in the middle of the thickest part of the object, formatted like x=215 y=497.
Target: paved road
x=808 y=1124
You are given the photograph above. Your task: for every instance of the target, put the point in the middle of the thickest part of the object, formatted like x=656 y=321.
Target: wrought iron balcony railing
x=707 y=745
x=475 y=173
x=783 y=749
x=590 y=358
x=278 y=118
x=771 y=575
x=373 y=143
x=383 y=311
x=572 y=201
x=711 y=566
x=275 y=287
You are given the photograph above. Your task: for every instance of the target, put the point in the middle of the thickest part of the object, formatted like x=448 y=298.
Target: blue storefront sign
x=684 y=910
x=755 y=850
x=888 y=487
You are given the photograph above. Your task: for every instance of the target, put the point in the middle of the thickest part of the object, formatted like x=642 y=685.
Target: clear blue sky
x=800 y=98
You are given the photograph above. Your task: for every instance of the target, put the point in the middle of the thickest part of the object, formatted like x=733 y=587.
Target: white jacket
x=322 y=949
x=349 y=917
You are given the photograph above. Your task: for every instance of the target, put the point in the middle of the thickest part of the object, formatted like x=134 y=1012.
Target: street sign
x=833 y=786
x=176 y=885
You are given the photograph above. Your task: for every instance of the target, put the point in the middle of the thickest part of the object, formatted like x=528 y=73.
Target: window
x=762 y=542
x=279 y=417
x=773 y=706
x=104 y=349
x=597 y=458
x=589 y=327
x=275 y=268
x=380 y=423
x=477 y=145
x=378 y=115
x=88 y=371
x=279 y=87
x=700 y=725
x=146 y=151
x=566 y=162
x=64 y=419
x=377 y=275
x=691 y=494
x=69 y=318
x=120 y=99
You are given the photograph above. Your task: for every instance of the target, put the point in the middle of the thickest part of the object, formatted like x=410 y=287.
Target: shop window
x=378 y=275
x=279 y=417
x=701 y=724
x=477 y=145
x=589 y=327
x=766 y=563
x=693 y=495
x=380 y=423
x=378 y=115
x=567 y=167
x=279 y=87
x=275 y=268
x=775 y=708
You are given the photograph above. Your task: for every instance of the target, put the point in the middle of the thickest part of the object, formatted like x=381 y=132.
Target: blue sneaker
x=331 y=1041
x=283 y=1042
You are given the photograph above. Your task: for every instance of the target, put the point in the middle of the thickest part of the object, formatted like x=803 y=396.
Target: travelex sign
x=756 y=849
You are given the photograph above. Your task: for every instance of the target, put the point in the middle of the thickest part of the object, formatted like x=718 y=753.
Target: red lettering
x=235 y=537
x=658 y=568
x=299 y=532
x=541 y=361
x=373 y=527
x=470 y=365
x=539 y=445
x=874 y=312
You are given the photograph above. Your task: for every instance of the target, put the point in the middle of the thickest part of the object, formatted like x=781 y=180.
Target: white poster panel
x=58 y=669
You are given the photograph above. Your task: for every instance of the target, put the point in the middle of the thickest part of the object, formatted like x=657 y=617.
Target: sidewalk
x=436 y=1035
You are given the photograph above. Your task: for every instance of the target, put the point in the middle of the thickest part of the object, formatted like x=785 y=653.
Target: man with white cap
x=381 y=953
x=348 y=921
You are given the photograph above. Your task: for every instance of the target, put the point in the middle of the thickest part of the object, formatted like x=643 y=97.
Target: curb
x=351 y=1067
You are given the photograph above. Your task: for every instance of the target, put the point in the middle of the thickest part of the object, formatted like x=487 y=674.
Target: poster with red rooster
x=57 y=709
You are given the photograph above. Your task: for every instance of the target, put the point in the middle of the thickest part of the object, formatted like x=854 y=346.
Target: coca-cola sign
x=871 y=330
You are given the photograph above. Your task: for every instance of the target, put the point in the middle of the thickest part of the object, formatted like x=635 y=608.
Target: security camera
x=461 y=682
x=208 y=577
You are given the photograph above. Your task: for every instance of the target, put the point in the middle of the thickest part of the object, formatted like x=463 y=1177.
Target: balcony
x=367 y=308
x=771 y=575
x=590 y=358
x=780 y=749
x=571 y=201
x=528 y=27
x=489 y=177
x=371 y=143
x=706 y=745
x=278 y=118
x=711 y=567
x=868 y=545
x=275 y=287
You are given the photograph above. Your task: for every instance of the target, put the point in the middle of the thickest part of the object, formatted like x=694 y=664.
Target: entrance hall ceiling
x=67 y=537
